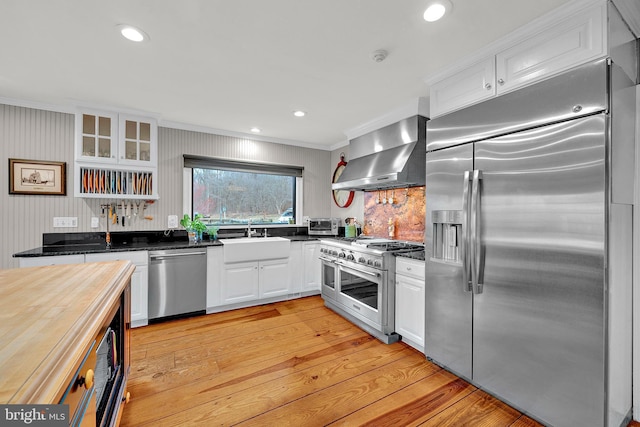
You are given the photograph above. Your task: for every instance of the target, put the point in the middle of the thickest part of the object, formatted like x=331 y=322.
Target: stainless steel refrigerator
x=528 y=239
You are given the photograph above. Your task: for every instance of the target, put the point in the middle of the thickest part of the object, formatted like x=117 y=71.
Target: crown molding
x=74 y=106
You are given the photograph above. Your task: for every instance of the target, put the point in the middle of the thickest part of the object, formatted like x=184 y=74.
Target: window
x=231 y=193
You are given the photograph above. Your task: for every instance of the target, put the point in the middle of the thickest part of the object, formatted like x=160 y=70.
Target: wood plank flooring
x=293 y=363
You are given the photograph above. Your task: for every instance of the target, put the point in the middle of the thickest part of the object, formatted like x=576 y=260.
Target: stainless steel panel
x=539 y=338
x=177 y=282
x=448 y=307
x=396 y=134
x=576 y=93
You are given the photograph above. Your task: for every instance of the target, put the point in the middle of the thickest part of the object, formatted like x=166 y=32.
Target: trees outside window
x=225 y=197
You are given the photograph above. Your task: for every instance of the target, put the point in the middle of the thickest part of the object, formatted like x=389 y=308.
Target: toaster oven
x=324 y=226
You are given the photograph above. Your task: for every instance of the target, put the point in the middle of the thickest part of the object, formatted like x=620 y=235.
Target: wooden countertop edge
x=49 y=381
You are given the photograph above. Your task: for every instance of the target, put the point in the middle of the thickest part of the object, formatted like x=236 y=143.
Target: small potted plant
x=199 y=226
x=195 y=227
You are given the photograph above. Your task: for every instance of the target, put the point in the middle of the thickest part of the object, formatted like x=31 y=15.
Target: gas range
x=372 y=252
x=358 y=281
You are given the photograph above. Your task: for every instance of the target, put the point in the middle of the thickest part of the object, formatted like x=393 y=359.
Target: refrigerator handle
x=464 y=247
x=477 y=269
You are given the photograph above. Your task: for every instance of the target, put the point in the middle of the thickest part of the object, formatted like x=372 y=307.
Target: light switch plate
x=65 y=222
x=172 y=221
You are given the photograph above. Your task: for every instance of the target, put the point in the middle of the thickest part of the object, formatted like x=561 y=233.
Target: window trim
x=191 y=161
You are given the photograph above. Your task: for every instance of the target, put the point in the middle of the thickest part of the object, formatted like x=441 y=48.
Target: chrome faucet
x=249 y=230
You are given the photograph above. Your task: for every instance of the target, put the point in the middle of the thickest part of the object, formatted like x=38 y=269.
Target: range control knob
x=377 y=264
x=362 y=260
x=350 y=257
x=323 y=250
x=342 y=255
x=334 y=253
x=369 y=262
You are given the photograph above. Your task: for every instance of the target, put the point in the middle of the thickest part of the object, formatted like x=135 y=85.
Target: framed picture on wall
x=37 y=177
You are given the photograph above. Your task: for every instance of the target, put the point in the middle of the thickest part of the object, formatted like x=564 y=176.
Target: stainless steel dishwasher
x=177 y=282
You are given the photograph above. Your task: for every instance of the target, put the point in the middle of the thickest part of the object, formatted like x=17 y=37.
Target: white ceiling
x=234 y=64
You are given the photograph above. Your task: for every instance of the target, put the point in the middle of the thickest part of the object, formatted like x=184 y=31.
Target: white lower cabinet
x=410 y=303
x=40 y=261
x=274 y=278
x=248 y=281
x=139 y=282
x=311 y=267
x=240 y=282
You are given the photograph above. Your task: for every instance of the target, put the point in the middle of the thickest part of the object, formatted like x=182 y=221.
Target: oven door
x=329 y=275
x=361 y=291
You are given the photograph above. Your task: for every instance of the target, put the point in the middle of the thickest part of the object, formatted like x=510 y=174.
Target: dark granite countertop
x=418 y=255
x=58 y=244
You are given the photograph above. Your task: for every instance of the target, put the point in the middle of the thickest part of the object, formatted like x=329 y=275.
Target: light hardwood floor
x=293 y=363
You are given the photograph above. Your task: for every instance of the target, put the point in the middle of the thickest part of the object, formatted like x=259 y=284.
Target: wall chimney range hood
x=390 y=157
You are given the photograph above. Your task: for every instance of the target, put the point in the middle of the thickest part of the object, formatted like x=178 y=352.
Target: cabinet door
x=296 y=267
x=471 y=85
x=139 y=282
x=240 y=282
x=572 y=42
x=51 y=260
x=96 y=136
x=140 y=296
x=312 y=267
x=137 y=140
x=274 y=278
x=410 y=310
x=214 y=276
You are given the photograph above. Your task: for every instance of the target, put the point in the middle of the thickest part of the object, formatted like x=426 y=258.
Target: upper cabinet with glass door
x=117 y=139
x=137 y=142
x=116 y=156
x=96 y=136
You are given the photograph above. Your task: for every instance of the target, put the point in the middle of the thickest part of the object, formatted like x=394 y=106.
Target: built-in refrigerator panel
x=538 y=323
x=448 y=310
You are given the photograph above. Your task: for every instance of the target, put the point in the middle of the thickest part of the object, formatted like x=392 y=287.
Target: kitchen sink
x=255 y=248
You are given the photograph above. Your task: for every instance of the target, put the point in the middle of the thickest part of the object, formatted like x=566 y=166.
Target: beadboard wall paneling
x=44 y=135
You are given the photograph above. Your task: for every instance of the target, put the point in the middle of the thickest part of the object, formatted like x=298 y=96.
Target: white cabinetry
x=553 y=49
x=139 y=281
x=240 y=282
x=274 y=278
x=312 y=267
x=51 y=260
x=116 y=156
x=410 y=301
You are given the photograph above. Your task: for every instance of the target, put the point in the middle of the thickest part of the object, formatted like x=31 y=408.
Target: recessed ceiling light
x=256 y=130
x=132 y=33
x=436 y=10
x=299 y=113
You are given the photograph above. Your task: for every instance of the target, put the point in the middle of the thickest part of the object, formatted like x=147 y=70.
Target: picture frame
x=37 y=177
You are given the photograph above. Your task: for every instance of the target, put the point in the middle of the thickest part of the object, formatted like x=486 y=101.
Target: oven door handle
x=326 y=259
x=346 y=267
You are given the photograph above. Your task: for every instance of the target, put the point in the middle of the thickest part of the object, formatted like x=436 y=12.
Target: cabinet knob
x=88 y=379
x=487 y=86
x=501 y=81
x=408 y=268
x=577 y=108
x=126 y=398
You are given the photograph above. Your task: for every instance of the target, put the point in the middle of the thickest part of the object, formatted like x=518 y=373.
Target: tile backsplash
x=407 y=213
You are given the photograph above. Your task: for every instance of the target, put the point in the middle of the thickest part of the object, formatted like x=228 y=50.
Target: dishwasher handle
x=165 y=256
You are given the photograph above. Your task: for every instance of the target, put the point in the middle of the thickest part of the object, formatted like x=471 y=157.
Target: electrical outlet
x=95 y=222
x=65 y=222
x=172 y=221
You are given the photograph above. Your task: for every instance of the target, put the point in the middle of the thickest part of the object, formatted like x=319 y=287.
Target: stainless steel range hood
x=390 y=157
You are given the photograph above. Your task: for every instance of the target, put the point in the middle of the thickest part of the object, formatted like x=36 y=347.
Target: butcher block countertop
x=49 y=317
